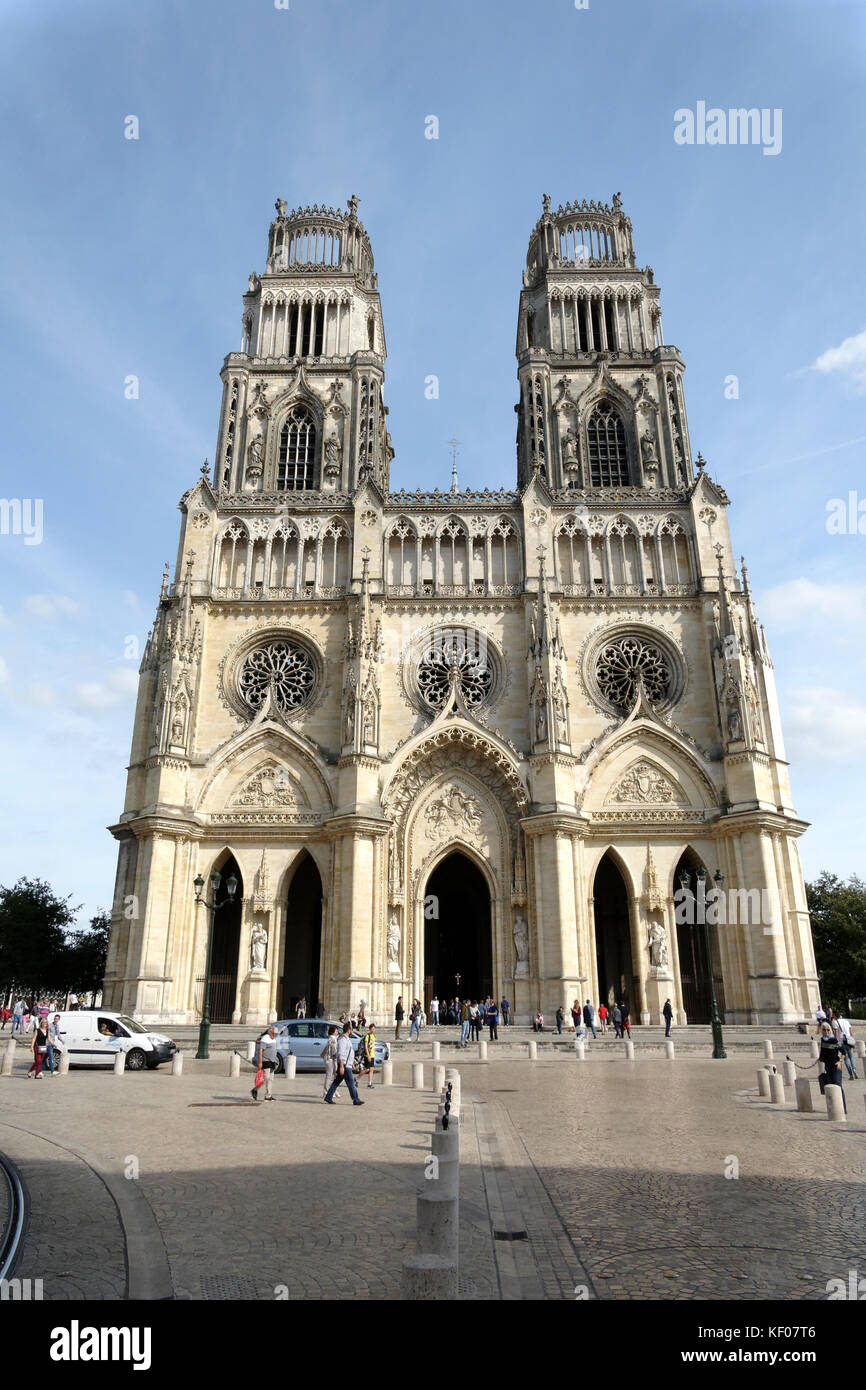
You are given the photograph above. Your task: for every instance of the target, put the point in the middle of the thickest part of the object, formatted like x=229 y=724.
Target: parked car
x=304 y=1039
x=94 y=1038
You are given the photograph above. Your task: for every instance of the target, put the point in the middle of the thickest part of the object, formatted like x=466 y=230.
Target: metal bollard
x=388 y=1073
x=777 y=1088
x=177 y=1064
x=629 y=1051
x=428 y=1278
x=9 y=1057
x=482 y=1050
x=435 y=1050
x=533 y=1050
x=789 y=1071
x=768 y=1050
x=120 y=1064
x=235 y=1064
x=417 y=1076
x=835 y=1103
x=803 y=1094
x=763 y=1083
x=291 y=1066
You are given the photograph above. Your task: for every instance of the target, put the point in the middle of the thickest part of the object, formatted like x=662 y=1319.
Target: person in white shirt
x=345 y=1062
x=844 y=1037
x=434 y=1011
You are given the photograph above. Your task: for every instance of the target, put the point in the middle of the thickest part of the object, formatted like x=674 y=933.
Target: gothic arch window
x=371 y=333
x=606 y=447
x=233 y=553
x=676 y=570
x=284 y=558
x=402 y=554
x=504 y=553
x=624 y=559
x=335 y=557
x=454 y=555
x=572 y=554
x=296 y=461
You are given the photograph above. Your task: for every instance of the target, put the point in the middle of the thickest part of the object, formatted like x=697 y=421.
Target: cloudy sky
x=129 y=257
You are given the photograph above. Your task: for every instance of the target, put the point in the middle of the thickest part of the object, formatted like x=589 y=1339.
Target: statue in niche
x=258 y=946
x=521 y=947
x=735 y=723
x=350 y=719
x=658 y=945
x=569 y=451
x=561 y=720
x=177 y=728
x=393 y=943
x=540 y=723
x=333 y=456
x=255 y=284
x=369 y=720
x=255 y=459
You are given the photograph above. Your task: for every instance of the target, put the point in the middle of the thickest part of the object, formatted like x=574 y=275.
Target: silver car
x=304 y=1039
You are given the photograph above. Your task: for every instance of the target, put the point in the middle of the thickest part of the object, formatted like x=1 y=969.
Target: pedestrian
x=415 y=1020
x=18 y=1016
x=493 y=1020
x=820 y=1017
x=266 y=1060
x=329 y=1053
x=538 y=1022
x=845 y=1039
x=399 y=1015
x=505 y=1007
x=576 y=1016
x=602 y=1018
x=616 y=1015
x=55 y=1041
x=668 y=1015
x=73 y=1003
x=560 y=1018
x=345 y=1062
x=301 y=1010
x=368 y=1056
x=362 y=1014
x=624 y=1025
x=589 y=1017
x=40 y=1049
x=830 y=1057
x=434 y=1011
x=4 y=1015
x=466 y=1022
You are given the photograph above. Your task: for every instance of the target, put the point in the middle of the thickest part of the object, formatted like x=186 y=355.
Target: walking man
x=434 y=1011
x=415 y=1020
x=18 y=1016
x=560 y=1015
x=842 y=1030
x=616 y=1015
x=589 y=1017
x=301 y=1010
x=329 y=1057
x=55 y=1042
x=345 y=1060
x=465 y=1022
x=505 y=1007
x=399 y=1015
x=493 y=1020
x=602 y=1018
x=668 y=1015
x=625 y=1025
x=266 y=1060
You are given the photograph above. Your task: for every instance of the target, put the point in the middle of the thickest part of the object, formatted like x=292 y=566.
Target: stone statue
x=735 y=728
x=350 y=719
x=617 y=203
x=369 y=720
x=177 y=729
x=648 y=448
x=540 y=722
x=333 y=455
x=569 y=450
x=658 y=945
x=393 y=943
x=545 y=202
x=254 y=283
x=521 y=939
x=281 y=206
x=258 y=946
x=255 y=458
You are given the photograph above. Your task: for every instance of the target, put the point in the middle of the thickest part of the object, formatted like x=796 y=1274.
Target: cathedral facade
x=521 y=742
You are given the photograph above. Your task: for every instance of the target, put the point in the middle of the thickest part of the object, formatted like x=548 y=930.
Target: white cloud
x=800 y=601
x=825 y=725
x=848 y=360
x=132 y=599
x=124 y=679
x=48 y=606
x=4 y=672
x=118 y=685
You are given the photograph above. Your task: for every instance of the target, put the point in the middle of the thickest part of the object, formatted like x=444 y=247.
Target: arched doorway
x=616 y=980
x=226 y=946
x=302 y=940
x=692 y=941
x=457 y=933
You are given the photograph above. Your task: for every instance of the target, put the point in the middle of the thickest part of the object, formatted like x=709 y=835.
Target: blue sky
x=129 y=257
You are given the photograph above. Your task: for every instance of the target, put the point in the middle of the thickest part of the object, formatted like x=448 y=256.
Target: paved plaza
x=605 y=1180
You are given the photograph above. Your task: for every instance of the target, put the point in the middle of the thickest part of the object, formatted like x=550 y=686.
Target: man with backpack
x=345 y=1062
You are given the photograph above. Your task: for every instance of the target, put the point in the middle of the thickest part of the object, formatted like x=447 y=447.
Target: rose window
x=622 y=664
x=459 y=656
x=282 y=667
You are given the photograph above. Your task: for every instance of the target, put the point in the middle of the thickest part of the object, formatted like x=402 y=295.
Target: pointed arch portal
x=613 y=936
x=226 y=946
x=457 y=931
x=302 y=940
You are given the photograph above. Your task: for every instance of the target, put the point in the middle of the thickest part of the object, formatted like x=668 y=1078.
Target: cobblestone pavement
x=606 y=1176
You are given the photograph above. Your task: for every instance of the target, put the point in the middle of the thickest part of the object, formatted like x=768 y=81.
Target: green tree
x=86 y=954
x=838 y=910
x=33 y=930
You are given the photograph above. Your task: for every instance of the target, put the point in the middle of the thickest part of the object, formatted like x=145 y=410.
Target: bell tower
x=601 y=401
x=302 y=407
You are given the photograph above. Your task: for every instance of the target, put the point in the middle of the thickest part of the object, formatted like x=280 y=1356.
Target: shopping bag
x=260 y=1077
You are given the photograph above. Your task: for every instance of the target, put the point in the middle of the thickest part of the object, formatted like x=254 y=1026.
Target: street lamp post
x=715 y=1021
x=213 y=908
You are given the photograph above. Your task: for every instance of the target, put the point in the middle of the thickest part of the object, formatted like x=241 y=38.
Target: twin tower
x=461 y=742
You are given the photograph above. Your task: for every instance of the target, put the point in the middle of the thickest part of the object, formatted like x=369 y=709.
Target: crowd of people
x=26 y=1016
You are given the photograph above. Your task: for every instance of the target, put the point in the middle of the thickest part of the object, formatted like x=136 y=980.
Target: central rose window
x=281 y=666
x=623 y=664
x=459 y=655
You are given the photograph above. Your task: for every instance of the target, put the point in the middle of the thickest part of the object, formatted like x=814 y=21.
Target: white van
x=93 y=1038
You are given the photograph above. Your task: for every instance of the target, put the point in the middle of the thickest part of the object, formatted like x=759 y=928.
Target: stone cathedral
x=458 y=742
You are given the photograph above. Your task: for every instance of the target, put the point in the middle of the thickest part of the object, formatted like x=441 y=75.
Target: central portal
x=457 y=937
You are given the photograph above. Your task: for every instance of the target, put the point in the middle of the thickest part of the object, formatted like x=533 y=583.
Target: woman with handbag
x=40 y=1049
x=830 y=1057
